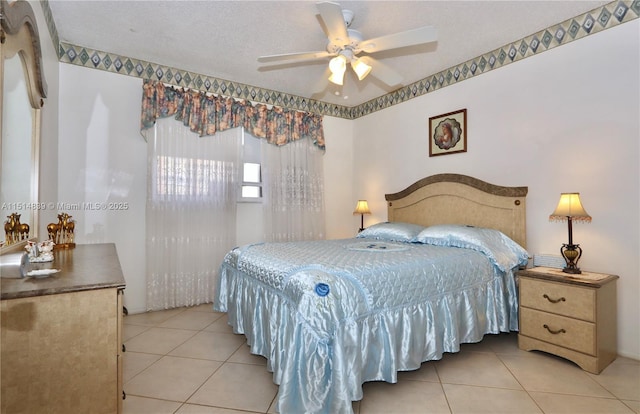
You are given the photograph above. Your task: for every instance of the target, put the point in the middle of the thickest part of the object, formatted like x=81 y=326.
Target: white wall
x=563 y=121
x=102 y=159
x=340 y=196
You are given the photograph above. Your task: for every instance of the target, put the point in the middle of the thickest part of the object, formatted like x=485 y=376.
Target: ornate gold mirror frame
x=21 y=73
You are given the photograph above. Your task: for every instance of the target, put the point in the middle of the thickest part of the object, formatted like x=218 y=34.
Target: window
x=251 y=181
x=251 y=169
x=183 y=177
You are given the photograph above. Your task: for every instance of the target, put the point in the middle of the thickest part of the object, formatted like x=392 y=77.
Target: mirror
x=22 y=88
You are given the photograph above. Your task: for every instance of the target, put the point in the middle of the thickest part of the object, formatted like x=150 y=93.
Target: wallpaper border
x=594 y=21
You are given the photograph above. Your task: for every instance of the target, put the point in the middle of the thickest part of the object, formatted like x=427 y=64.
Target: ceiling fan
x=345 y=45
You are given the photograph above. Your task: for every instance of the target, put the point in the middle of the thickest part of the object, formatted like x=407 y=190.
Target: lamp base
x=572 y=270
x=571 y=254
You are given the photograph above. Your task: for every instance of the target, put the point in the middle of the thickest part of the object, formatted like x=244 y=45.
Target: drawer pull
x=562 y=299
x=559 y=331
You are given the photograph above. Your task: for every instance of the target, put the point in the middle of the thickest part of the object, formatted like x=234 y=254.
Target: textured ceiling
x=223 y=39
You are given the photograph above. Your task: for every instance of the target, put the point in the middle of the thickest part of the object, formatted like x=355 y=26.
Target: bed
x=330 y=315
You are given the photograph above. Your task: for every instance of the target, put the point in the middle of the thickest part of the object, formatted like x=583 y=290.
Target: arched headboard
x=460 y=199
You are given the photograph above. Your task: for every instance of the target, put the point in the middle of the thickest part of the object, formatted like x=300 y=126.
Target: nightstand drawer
x=558 y=298
x=559 y=330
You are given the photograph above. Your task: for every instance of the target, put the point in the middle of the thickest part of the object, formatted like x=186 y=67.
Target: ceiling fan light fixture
x=337 y=78
x=338 y=64
x=360 y=68
x=344 y=44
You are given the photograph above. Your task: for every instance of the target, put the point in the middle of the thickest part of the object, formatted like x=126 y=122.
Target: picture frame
x=448 y=133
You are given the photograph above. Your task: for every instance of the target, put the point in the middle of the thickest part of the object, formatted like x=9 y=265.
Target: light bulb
x=337 y=78
x=360 y=68
x=338 y=64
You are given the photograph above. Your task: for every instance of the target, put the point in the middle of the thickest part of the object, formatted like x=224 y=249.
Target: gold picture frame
x=448 y=133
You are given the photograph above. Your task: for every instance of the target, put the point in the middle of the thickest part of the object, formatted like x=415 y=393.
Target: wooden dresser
x=572 y=316
x=61 y=338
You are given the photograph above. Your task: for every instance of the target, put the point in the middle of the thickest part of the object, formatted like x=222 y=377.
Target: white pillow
x=498 y=247
x=392 y=231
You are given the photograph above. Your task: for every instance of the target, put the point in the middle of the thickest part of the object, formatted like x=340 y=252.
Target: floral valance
x=207 y=114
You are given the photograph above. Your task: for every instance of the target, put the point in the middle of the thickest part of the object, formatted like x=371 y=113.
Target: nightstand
x=571 y=316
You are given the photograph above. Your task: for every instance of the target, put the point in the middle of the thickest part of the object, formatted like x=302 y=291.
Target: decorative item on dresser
x=362 y=208
x=62 y=233
x=570 y=209
x=14 y=230
x=570 y=316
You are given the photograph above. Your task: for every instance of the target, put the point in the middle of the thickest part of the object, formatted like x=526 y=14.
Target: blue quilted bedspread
x=331 y=315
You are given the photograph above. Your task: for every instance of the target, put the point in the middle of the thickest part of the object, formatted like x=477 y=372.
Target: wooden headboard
x=460 y=199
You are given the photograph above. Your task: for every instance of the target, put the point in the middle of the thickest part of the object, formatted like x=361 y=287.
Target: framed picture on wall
x=448 y=133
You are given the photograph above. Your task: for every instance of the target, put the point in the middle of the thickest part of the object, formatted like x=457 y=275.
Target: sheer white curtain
x=191 y=211
x=293 y=183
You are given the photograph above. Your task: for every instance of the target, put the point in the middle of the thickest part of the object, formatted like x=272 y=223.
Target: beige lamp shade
x=570 y=206
x=362 y=207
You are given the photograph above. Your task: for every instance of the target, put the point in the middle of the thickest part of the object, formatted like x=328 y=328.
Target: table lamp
x=362 y=208
x=570 y=208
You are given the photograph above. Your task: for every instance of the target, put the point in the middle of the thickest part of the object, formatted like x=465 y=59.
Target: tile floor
x=188 y=361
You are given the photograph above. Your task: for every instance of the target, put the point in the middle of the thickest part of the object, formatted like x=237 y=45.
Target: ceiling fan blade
x=383 y=72
x=294 y=56
x=333 y=19
x=412 y=37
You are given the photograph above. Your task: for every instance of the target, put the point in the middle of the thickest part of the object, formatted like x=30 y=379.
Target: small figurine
x=62 y=232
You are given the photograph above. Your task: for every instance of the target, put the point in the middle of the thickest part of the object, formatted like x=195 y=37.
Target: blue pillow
x=498 y=247
x=392 y=231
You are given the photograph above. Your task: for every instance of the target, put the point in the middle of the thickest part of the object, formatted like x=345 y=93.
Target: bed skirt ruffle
x=321 y=369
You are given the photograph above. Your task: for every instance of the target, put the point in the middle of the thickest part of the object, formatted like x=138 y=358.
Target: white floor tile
x=634 y=405
x=220 y=325
x=205 y=307
x=238 y=386
x=427 y=372
x=471 y=399
x=151 y=318
x=546 y=373
x=571 y=404
x=243 y=355
x=192 y=320
x=475 y=368
x=188 y=361
x=406 y=397
x=129 y=331
x=621 y=379
x=136 y=362
x=158 y=340
x=171 y=378
x=203 y=409
x=209 y=345
x=141 y=405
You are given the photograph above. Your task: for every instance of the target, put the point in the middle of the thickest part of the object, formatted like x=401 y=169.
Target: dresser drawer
x=562 y=331
x=562 y=299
